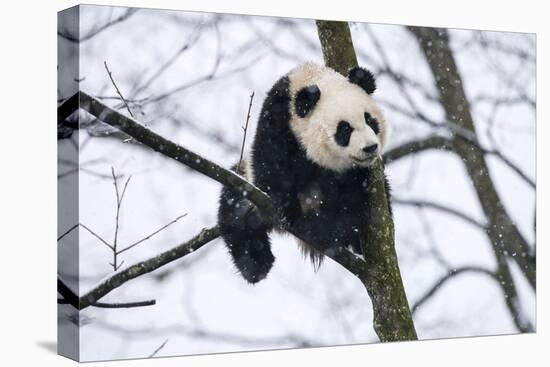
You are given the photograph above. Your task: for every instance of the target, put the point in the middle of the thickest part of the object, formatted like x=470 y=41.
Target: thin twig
x=245 y=128
x=96 y=236
x=158 y=349
x=124 y=189
x=117 y=90
x=67 y=232
x=118 y=203
x=151 y=235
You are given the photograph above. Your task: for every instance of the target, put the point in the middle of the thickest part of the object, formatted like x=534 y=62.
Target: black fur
x=245 y=234
x=306 y=99
x=282 y=169
x=363 y=78
x=372 y=123
x=343 y=133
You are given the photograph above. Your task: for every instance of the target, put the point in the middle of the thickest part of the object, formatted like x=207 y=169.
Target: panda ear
x=306 y=99
x=363 y=78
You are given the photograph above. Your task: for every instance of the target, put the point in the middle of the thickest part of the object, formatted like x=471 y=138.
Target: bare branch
x=417 y=146
x=442 y=208
x=451 y=274
x=67 y=232
x=97 y=236
x=117 y=90
x=98 y=30
x=193 y=37
x=147 y=266
x=174 y=151
x=150 y=235
x=245 y=128
x=497 y=153
x=69 y=297
x=158 y=349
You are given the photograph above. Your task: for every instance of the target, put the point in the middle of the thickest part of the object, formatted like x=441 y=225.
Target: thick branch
x=174 y=151
x=136 y=270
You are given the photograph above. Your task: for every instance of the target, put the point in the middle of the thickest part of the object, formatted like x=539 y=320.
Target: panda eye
x=343 y=133
x=372 y=123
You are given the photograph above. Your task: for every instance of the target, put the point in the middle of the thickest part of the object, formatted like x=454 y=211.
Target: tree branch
x=417 y=146
x=174 y=151
x=98 y=30
x=450 y=275
x=136 y=270
x=442 y=208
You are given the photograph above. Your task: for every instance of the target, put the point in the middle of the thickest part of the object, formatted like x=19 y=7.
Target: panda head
x=335 y=118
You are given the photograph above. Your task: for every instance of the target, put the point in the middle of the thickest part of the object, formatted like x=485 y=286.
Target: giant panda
x=317 y=133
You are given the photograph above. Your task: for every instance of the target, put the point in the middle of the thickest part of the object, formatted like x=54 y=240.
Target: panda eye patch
x=343 y=133
x=372 y=123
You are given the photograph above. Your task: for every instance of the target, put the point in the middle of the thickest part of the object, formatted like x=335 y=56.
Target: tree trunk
x=506 y=240
x=380 y=272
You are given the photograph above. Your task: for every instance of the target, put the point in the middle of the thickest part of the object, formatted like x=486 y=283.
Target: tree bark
x=380 y=272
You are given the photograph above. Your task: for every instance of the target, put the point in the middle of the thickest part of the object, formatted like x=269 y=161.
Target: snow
x=203 y=305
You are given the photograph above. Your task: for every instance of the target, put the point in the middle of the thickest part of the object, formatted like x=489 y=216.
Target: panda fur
x=317 y=134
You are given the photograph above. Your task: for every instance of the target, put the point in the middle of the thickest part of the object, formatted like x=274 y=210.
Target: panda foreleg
x=246 y=236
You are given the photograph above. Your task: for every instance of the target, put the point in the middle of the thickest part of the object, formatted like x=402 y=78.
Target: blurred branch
x=442 y=208
x=190 y=41
x=432 y=142
x=503 y=233
x=99 y=29
x=443 y=280
x=158 y=349
x=287 y=339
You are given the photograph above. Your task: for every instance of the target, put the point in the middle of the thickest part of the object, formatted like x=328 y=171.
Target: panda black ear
x=363 y=78
x=306 y=99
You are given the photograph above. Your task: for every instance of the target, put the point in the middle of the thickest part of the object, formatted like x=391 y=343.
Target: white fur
x=340 y=100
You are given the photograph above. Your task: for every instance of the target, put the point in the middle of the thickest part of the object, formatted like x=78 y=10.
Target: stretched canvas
x=205 y=159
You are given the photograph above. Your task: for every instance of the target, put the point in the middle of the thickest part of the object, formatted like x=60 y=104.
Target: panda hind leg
x=246 y=236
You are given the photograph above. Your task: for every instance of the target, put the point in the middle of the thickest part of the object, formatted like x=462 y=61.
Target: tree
x=379 y=272
x=142 y=104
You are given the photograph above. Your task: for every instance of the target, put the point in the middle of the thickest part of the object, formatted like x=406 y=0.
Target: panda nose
x=369 y=149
